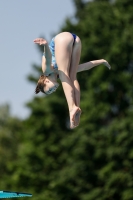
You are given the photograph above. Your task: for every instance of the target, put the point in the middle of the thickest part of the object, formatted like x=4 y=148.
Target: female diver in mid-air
x=61 y=59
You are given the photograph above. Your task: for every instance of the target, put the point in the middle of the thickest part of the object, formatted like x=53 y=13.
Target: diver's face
x=50 y=86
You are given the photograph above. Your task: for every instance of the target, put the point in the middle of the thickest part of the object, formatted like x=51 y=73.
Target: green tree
x=10 y=128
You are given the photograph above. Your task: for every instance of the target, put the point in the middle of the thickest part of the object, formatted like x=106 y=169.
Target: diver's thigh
x=75 y=58
x=63 y=50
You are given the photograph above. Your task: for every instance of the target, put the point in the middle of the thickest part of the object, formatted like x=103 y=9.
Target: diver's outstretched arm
x=47 y=57
x=91 y=64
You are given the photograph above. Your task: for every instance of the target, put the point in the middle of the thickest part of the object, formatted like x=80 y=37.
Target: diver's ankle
x=74 y=107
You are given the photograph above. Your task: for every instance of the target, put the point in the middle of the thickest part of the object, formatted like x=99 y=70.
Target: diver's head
x=47 y=84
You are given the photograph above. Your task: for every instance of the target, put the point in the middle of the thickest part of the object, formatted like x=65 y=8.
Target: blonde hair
x=40 y=84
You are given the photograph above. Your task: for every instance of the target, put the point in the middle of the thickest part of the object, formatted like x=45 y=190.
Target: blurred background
x=39 y=154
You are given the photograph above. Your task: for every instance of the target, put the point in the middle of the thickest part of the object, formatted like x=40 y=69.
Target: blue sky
x=20 y=23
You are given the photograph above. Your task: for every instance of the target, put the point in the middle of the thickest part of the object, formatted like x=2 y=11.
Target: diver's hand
x=40 y=41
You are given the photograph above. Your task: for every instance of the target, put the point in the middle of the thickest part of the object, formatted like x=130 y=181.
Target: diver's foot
x=107 y=64
x=75 y=117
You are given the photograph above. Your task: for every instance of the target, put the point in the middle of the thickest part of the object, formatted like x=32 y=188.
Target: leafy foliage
x=9 y=145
